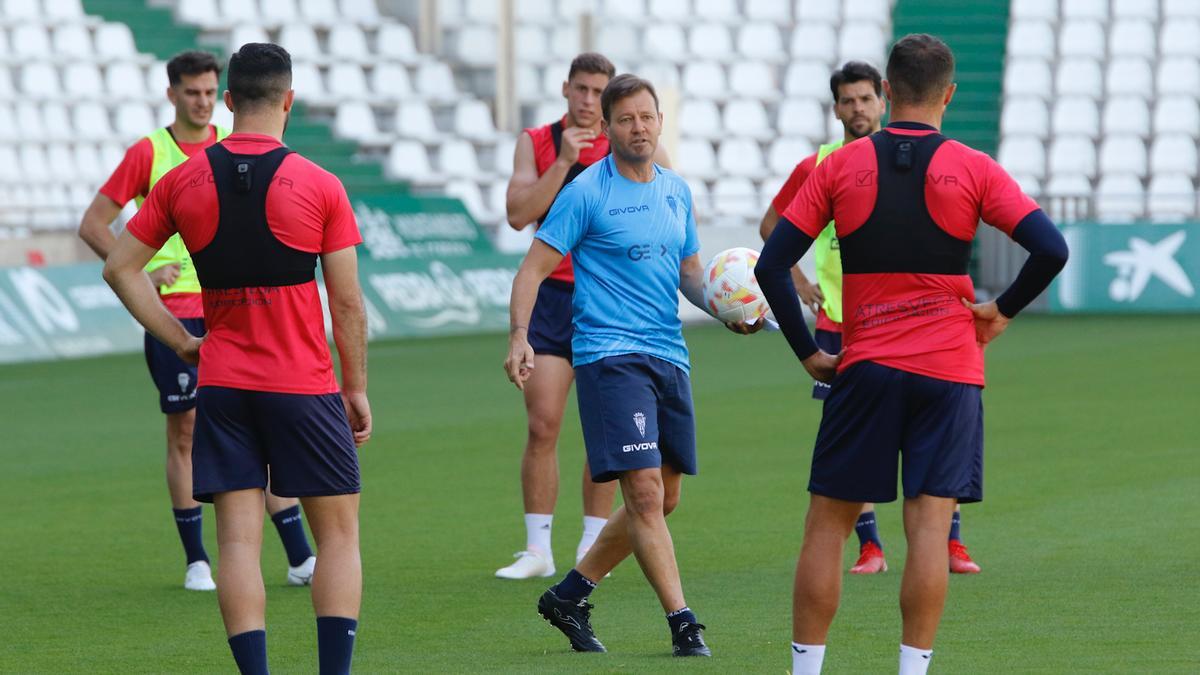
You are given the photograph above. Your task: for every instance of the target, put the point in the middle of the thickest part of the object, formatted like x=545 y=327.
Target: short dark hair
x=591 y=62
x=919 y=68
x=192 y=62
x=621 y=87
x=855 y=71
x=260 y=72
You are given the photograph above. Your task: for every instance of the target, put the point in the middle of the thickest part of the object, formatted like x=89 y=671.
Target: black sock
x=335 y=644
x=290 y=526
x=250 y=652
x=574 y=587
x=955 y=522
x=190 y=523
x=679 y=617
x=867 y=530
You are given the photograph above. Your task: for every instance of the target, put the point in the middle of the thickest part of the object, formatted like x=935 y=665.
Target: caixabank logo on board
x=1143 y=267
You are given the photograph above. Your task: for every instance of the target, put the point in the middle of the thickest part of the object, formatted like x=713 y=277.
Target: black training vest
x=900 y=236
x=244 y=253
x=556 y=132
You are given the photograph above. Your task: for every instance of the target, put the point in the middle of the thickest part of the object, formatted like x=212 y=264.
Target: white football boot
x=199 y=577
x=301 y=575
x=529 y=564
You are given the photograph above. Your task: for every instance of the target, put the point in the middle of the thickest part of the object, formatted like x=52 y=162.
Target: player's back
x=255 y=216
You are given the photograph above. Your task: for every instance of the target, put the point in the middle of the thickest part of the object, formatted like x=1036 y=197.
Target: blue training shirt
x=626 y=240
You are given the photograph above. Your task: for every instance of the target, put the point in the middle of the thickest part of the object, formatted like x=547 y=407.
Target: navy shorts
x=175 y=380
x=304 y=440
x=877 y=418
x=550 y=328
x=636 y=413
x=830 y=342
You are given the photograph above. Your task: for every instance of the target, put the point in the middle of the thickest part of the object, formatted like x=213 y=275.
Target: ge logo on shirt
x=639 y=252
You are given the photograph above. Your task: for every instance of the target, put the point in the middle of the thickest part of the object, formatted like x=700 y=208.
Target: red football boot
x=870 y=560
x=960 y=560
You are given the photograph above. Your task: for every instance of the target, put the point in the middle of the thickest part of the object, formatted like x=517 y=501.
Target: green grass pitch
x=1088 y=535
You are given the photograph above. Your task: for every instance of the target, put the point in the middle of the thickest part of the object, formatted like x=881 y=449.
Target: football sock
x=574 y=587
x=250 y=652
x=679 y=617
x=955 y=521
x=290 y=526
x=335 y=644
x=867 y=530
x=190 y=523
x=914 y=661
x=537 y=531
x=807 y=659
x=591 y=529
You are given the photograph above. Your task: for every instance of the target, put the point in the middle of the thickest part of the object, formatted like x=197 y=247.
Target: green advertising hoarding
x=405 y=226
x=1146 y=267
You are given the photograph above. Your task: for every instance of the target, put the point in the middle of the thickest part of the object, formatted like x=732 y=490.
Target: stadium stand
x=1126 y=79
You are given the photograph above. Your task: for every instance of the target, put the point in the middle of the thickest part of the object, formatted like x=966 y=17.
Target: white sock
x=914 y=661
x=807 y=659
x=591 y=529
x=537 y=532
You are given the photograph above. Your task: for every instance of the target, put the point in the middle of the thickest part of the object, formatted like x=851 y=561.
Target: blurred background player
x=193 y=77
x=911 y=377
x=859 y=104
x=546 y=159
x=255 y=217
x=631 y=227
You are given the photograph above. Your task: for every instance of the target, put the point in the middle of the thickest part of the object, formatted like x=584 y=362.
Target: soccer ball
x=730 y=290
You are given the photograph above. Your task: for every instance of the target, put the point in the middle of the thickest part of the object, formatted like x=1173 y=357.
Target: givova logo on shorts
x=639 y=420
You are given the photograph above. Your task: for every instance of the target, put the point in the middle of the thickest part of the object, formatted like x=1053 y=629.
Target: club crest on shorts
x=184 y=379
x=640 y=420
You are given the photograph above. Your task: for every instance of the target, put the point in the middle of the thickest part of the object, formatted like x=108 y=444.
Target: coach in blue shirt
x=630 y=227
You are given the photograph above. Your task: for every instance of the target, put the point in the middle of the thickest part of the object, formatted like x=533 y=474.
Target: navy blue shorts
x=550 y=328
x=876 y=416
x=830 y=342
x=636 y=413
x=304 y=440
x=175 y=380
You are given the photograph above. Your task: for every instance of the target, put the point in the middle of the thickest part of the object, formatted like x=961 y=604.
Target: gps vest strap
x=827 y=258
x=167 y=155
x=244 y=253
x=900 y=236
x=556 y=132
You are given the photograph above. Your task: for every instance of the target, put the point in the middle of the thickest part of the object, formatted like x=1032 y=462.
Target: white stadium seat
x=320 y=12
x=753 y=78
x=457 y=158
x=301 y=42
x=705 y=80
x=29 y=125
x=1073 y=155
x=389 y=81
x=814 y=41
x=1171 y=198
x=633 y=10
x=531 y=44
x=1069 y=185
x=435 y=81
x=1023 y=155
x=1080 y=77
x=1025 y=115
x=307 y=81
x=61 y=163
x=737 y=197
x=1181 y=8
x=1178 y=76
x=761 y=41
x=1130 y=76
x=58 y=121
x=238 y=11
x=29 y=42
x=7 y=90
x=8 y=123
x=862 y=42
x=279 y=12
x=62 y=11
x=502 y=156
x=871 y=11
x=802 y=117
x=347 y=42
x=40 y=80
x=717 y=10
x=73 y=39
x=564 y=42
x=1177 y=114
x=1034 y=9
x=395 y=41
x=198 y=12
x=1132 y=37
x=1178 y=38
x=1174 y=153
x=133 y=120
x=671 y=11
x=15 y=10
x=82 y=80
x=696 y=158
x=415 y=120
x=126 y=81
x=468 y=192
x=741 y=157
x=775 y=11
x=809 y=80
x=711 y=41
x=1031 y=38
x=408 y=160
x=1119 y=197
x=1081 y=38
x=747 y=118
x=90 y=121
x=1126 y=115
x=87 y=159
x=114 y=42
x=34 y=165
x=1135 y=9
x=1085 y=9
x=699 y=118
x=241 y=35
x=157 y=80
x=786 y=153
x=1075 y=115
x=476 y=45
x=473 y=120
x=666 y=42
x=365 y=12
x=355 y=120
x=822 y=11
x=1029 y=77
x=1123 y=154
x=347 y=80
x=540 y=12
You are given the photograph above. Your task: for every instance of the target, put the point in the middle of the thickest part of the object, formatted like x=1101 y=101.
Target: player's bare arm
x=340 y=270
x=530 y=195
x=539 y=262
x=94 y=227
x=691 y=284
x=123 y=271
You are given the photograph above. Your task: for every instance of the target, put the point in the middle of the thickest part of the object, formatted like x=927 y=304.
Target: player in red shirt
x=255 y=218
x=858 y=102
x=546 y=159
x=906 y=203
x=193 y=79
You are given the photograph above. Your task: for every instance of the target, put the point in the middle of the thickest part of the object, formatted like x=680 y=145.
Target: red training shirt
x=911 y=322
x=780 y=203
x=544 y=155
x=131 y=179
x=269 y=339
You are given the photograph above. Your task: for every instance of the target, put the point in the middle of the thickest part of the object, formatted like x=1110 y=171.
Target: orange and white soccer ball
x=730 y=290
